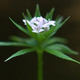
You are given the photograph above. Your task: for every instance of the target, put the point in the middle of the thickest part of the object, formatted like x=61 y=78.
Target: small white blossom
x=39 y=24
x=24 y=21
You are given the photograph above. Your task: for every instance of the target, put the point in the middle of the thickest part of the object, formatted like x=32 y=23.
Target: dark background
x=25 y=67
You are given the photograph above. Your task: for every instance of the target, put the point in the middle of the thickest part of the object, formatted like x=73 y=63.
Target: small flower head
x=39 y=24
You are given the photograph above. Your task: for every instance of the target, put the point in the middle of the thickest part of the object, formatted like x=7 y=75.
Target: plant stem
x=40 y=64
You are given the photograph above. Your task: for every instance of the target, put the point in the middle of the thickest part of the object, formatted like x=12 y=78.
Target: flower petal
x=32 y=25
x=24 y=21
x=37 y=31
x=33 y=20
x=52 y=23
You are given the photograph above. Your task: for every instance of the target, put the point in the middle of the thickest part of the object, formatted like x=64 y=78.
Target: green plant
x=41 y=31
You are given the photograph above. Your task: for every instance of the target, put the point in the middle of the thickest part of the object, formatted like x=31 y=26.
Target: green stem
x=40 y=64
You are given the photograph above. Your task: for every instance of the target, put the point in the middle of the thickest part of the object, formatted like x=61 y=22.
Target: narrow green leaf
x=50 y=14
x=46 y=16
x=48 y=33
x=55 y=40
x=52 y=33
x=65 y=21
x=29 y=15
x=66 y=49
x=19 y=53
x=57 y=17
x=29 y=27
x=29 y=41
x=24 y=16
x=20 y=27
x=58 y=40
x=59 y=20
x=58 y=24
x=17 y=39
x=14 y=44
x=37 y=12
x=62 y=48
x=60 y=55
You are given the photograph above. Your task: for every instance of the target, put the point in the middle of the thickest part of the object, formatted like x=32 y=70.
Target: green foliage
x=48 y=33
x=50 y=14
x=29 y=17
x=13 y=44
x=37 y=12
x=30 y=42
x=29 y=27
x=24 y=16
x=55 y=40
x=62 y=48
x=20 y=27
x=59 y=23
x=17 y=39
x=60 y=55
x=21 y=52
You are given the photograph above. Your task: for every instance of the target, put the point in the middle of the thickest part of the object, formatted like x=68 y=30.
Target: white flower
x=39 y=24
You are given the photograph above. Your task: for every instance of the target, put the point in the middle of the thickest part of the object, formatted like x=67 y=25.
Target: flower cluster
x=39 y=24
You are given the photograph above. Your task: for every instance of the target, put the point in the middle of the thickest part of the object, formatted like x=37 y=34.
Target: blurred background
x=25 y=67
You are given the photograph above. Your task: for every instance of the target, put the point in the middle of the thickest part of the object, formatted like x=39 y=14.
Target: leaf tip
x=53 y=9
x=77 y=53
x=37 y=5
x=10 y=18
x=6 y=60
x=68 y=17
